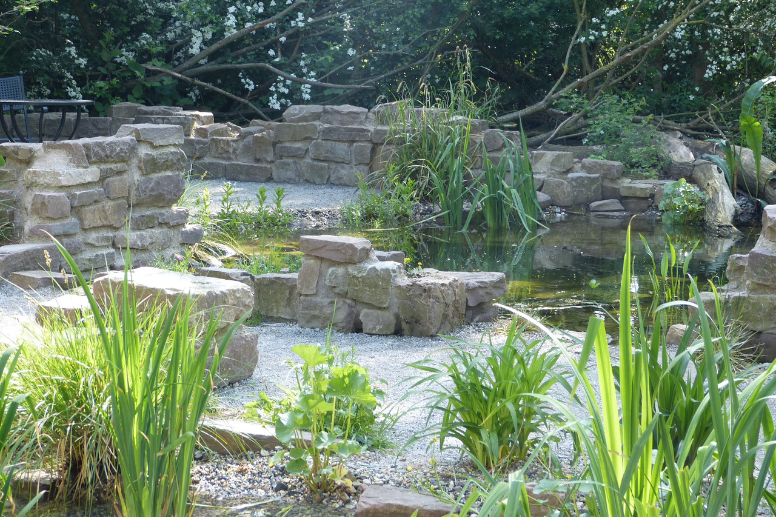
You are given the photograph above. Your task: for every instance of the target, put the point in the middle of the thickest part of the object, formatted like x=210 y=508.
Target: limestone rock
x=330 y=151
x=390 y=256
x=159 y=190
x=110 y=149
x=722 y=207
x=168 y=160
x=307 y=279
x=680 y=156
x=18 y=151
x=347 y=174
x=336 y=248
x=607 y=205
x=60 y=177
x=291 y=150
x=286 y=171
x=316 y=173
x=216 y=130
x=295 y=132
x=192 y=234
x=112 y=214
x=481 y=313
x=151 y=286
x=155 y=239
x=69 y=227
x=551 y=162
x=51 y=206
x=390 y=501
x=276 y=296
x=430 y=305
x=116 y=187
x=82 y=197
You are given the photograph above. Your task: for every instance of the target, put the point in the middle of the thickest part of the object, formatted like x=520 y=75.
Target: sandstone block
x=330 y=151
x=586 y=187
x=50 y=206
x=158 y=111
x=316 y=173
x=107 y=149
x=216 y=131
x=175 y=216
x=675 y=334
x=256 y=172
x=262 y=146
x=158 y=190
x=116 y=187
x=195 y=148
x=337 y=278
x=112 y=213
x=295 y=132
x=481 y=286
x=18 y=151
x=390 y=256
x=240 y=358
x=291 y=150
x=286 y=171
x=95 y=260
x=76 y=155
x=643 y=190
x=386 y=500
x=761 y=266
x=481 y=313
x=192 y=234
x=154 y=238
x=346 y=133
x=152 y=286
x=337 y=248
x=769 y=223
x=276 y=296
x=372 y=283
x=430 y=305
x=560 y=192
x=237 y=436
x=607 y=205
x=25 y=257
x=69 y=227
x=381 y=323
x=551 y=162
x=60 y=177
x=544 y=200
x=38 y=279
x=113 y=169
x=347 y=175
x=167 y=160
x=607 y=169
x=68 y=307
x=225 y=273
x=636 y=205
x=86 y=197
x=300 y=113
x=185 y=122
x=307 y=279
x=155 y=134
x=362 y=153
x=224 y=148
x=345 y=115
x=99 y=240
x=314 y=312
x=123 y=110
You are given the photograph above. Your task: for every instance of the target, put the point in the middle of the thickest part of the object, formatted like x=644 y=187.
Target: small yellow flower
x=407 y=260
x=409 y=468
x=420 y=263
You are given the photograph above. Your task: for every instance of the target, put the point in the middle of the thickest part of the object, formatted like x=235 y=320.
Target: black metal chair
x=13 y=88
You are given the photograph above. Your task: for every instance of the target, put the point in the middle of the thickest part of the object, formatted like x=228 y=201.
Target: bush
x=488 y=398
x=682 y=203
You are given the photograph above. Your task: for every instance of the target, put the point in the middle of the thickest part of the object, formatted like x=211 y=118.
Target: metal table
x=42 y=103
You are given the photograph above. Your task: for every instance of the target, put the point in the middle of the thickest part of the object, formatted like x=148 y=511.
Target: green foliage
x=683 y=203
x=64 y=370
x=6 y=226
x=670 y=283
x=751 y=128
x=486 y=397
x=237 y=218
x=270 y=259
x=12 y=448
x=731 y=165
x=159 y=387
x=329 y=401
x=386 y=208
x=612 y=126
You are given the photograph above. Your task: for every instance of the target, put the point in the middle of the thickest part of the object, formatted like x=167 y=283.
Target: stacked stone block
x=344 y=282
x=85 y=192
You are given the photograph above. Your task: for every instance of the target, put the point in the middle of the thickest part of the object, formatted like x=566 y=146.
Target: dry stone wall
x=84 y=192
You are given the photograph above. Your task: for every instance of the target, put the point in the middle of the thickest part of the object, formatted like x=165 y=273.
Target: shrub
x=486 y=397
x=329 y=401
x=682 y=203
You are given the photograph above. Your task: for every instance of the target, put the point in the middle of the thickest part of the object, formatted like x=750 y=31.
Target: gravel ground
x=17 y=308
x=297 y=195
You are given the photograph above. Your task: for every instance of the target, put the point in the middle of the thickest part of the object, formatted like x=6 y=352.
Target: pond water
x=550 y=273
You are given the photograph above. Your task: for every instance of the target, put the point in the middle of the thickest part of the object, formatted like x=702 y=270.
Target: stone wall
x=343 y=281
x=84 y=192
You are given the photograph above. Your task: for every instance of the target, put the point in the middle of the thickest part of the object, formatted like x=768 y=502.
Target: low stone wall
x=345 y=283
x=84 y=192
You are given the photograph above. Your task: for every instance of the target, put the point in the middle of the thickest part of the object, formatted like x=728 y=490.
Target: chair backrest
x=12 y=88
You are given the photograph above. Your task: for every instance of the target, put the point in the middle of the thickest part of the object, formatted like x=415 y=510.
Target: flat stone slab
x=26 y=257
x=152 y=286
x=237 y=436
x=226 y=273
x=351 y=250
x=481 y=287
x=276 y=296
x=70 y=307
x=607 y=205
x=391 y=501
x=39 y=279
x=390 y=256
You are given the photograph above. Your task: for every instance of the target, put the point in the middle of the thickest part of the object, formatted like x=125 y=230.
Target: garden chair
x=13 y=88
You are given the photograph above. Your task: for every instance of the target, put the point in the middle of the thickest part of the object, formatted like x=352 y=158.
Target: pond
x=564 y=273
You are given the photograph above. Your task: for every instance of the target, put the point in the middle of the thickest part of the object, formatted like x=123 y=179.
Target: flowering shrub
x=682 y=203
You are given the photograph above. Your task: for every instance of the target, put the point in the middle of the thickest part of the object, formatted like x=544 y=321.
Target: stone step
x=68 y=307
x=26 y=257
x=231 y=436
x=38 y=279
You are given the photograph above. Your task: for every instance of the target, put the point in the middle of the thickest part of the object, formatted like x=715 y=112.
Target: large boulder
x=551 y=162
x=229 y=299
x=679 y=155
x=430 y=305
x=767 y=186
x=721 y=208
x=276 y=296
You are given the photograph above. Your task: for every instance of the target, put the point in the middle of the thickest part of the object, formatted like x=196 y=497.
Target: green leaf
x=310 y=355
x=298 y=466
x=137 y=91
